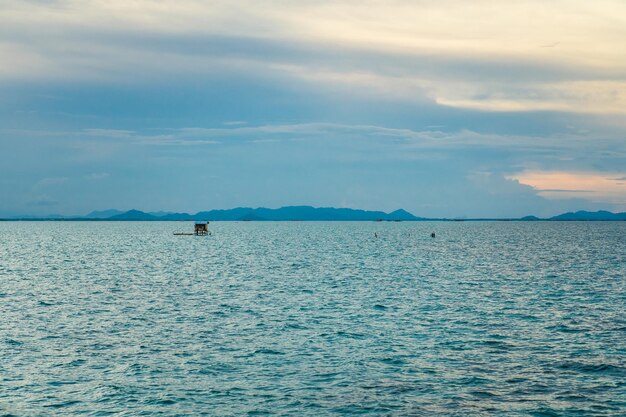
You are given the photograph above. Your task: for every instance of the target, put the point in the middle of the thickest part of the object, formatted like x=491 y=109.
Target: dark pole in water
x=432 y=234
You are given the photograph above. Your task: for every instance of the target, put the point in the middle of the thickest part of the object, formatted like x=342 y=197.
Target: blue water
x=488 y=318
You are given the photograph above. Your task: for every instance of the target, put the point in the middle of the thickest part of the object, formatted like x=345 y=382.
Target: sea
x=313 y=319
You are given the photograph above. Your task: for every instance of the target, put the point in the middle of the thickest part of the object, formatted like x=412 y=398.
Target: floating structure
x=199 y=229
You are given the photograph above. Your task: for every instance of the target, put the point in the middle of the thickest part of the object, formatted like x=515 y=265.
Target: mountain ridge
x=590 y=215
x=309 y=213
x=288 y=213
x=304 y=213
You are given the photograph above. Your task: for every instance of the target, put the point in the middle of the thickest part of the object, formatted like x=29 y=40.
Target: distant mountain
x=305 y=213
x=176 y=216
x=590 y=215
x=402 y=214
x=133 y=215
x=239 y=213
x=530 y=218
x=103 y=214
x=326 y=213
x=160 y=213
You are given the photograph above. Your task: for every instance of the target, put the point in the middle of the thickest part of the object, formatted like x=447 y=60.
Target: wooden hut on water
x=201 y=228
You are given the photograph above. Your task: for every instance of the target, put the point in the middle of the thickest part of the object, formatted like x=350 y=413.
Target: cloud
x=434 y=105
x=560 y=148
x=431 y=172
x=559 y=184
x=96 y=176
x=50 y=181
x=601 y=97
x=448 y=52
x=42 y=201
x=109 y=133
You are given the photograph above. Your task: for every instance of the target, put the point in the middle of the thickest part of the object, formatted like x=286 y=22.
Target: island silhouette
x=304 y=213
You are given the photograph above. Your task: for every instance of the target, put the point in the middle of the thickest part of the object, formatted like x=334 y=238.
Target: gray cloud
x=96 y=176
x=78 y=43
x=50 y=181
x=43 y=201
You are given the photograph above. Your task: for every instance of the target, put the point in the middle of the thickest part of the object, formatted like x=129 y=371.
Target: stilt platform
x=199 y=229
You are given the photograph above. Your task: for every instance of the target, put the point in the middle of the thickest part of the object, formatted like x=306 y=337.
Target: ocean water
x=488 y=318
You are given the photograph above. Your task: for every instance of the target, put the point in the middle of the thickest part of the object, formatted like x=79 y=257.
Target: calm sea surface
x=488 y=318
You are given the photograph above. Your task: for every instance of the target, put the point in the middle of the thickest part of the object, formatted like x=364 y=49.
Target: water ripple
x=321 y=318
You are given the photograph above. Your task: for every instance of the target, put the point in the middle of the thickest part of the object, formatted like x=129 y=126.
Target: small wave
x=162 y=401
x=63 y=404
x=61 y=383
x=533 y=389
x=473 y=380
x=102 y=346
x=327 y=377
x=483 y=394
x=350 y=335
x=572 y=396
x=295 y=326
x=399 y=387
x=499 y=344
x=259 y=413
x=602 y=368
x=267 y=352
x=166 y=401
x=77 y=362
x=562 y=328
x=516 y=380
x=544 y=412
x=393 y=361
x=136 y=368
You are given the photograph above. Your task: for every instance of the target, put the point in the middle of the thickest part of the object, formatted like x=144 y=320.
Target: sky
x=444 y=108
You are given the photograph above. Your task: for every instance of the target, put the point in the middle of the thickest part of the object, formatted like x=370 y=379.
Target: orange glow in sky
x=589 y=186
